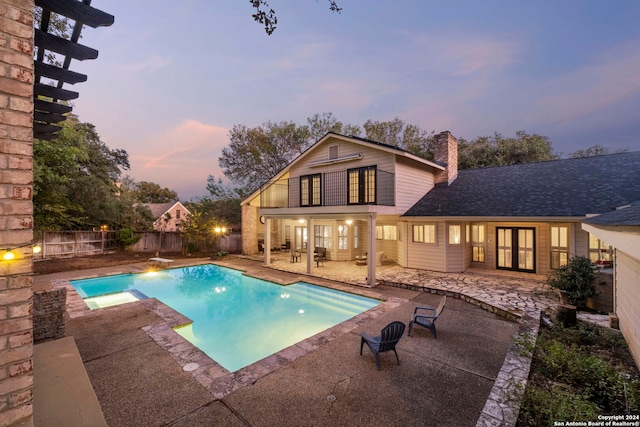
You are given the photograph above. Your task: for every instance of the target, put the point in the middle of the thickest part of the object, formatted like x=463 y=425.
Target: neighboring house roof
x=558 y=188
x=159 y=209
x=628 y=215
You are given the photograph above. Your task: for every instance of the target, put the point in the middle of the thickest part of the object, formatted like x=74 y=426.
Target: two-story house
x=354 y=196
x=345 y=194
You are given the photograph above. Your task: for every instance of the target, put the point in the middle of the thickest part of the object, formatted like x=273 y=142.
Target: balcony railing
x=334 y=191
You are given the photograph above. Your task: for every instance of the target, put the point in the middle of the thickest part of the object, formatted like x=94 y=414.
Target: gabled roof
x=622 y=216
x=558 y=188
x=356 y=140
x=159 y=209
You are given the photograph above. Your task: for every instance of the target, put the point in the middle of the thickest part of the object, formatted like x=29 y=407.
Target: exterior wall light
x=349 y=221
x=10 y=253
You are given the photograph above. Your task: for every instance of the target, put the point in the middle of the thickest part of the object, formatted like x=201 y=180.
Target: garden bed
x=579 y=375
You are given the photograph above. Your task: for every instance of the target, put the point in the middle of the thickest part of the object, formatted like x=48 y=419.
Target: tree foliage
x=496 y=150
x=594 y=150
x=256 y=154
x=150 y=192
x=267 y=16
x=320 y=124
x=75 y=179
x=402 y=135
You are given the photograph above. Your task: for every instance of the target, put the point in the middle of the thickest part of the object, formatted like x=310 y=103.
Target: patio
x=130 y=355
x=509 y=294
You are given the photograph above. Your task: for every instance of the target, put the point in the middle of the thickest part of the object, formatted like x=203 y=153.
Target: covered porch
x=347 y=241
x=350 y=271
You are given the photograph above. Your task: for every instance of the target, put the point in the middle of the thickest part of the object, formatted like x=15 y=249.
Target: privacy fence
x=61 y=244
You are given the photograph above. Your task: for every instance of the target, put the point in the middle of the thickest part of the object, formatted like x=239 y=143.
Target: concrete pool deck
x=139 y=378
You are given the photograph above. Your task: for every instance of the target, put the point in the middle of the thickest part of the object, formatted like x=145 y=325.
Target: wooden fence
x=61 y=244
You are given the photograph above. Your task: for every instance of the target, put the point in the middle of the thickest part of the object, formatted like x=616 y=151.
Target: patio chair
x=386 y=341
x=426 y=316
x=320 y=255
x=295 y=255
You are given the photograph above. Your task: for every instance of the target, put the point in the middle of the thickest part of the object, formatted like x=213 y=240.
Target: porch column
x=371 y=259
x=311 y=244
x=267 y=241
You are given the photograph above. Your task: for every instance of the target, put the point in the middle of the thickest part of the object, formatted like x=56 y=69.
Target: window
x=599 y=251
x=333 y=152
x=477 y=243
x=559 y=246
x=386 y=232
x=322 y=236
x=361 y=185
x=310 y=190
x=177 y=213
x=454 y=234
x=343 y=236
x=424 y=233
x=356 y=237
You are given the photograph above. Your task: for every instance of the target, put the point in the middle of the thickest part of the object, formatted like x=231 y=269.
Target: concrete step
x=62 y=393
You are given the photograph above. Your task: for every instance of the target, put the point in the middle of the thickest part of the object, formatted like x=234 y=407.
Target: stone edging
x=503 y=405
x=507 y=313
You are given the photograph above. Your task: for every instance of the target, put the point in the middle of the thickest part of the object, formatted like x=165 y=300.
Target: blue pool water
x=237 y=320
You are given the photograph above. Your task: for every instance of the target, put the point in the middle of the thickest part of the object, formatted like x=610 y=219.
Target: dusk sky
x=172 y=78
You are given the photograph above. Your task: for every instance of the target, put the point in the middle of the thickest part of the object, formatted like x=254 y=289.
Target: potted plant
x=577 y=279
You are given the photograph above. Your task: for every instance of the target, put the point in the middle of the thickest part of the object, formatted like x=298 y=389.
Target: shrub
x=577 y=278
x=125 y=237
x=578 y=373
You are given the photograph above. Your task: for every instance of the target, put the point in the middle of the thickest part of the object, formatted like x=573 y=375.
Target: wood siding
x=411 y=184
x=628 y=300
x=427 y=256
x=452 y=258
x=370 y=156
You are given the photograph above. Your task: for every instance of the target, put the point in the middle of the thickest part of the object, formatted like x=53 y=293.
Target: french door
x=516 y=248
x=300 y=241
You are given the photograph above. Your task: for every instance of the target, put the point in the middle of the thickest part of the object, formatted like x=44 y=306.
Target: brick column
x=249 y=230
x=16 y=211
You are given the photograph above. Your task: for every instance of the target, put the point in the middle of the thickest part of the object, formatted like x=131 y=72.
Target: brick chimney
x=445 y=152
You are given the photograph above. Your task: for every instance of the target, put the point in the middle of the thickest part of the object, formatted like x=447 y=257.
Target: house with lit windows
x=359 y=198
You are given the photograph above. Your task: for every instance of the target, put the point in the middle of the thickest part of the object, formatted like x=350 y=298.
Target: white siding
x=427 y=256
x=411 y=184
x=370 y=156
x=628 y=300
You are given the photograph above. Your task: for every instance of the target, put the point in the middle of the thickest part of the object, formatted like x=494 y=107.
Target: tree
x=401 y=135
x=222 y=205
x=150 y=192
x=594 y=150
x=321 y=124
x=75 y=179
x=256 y=154
x=495 y=150
x=269 y=18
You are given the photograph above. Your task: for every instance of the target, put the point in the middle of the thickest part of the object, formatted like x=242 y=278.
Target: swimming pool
x=237 y=319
